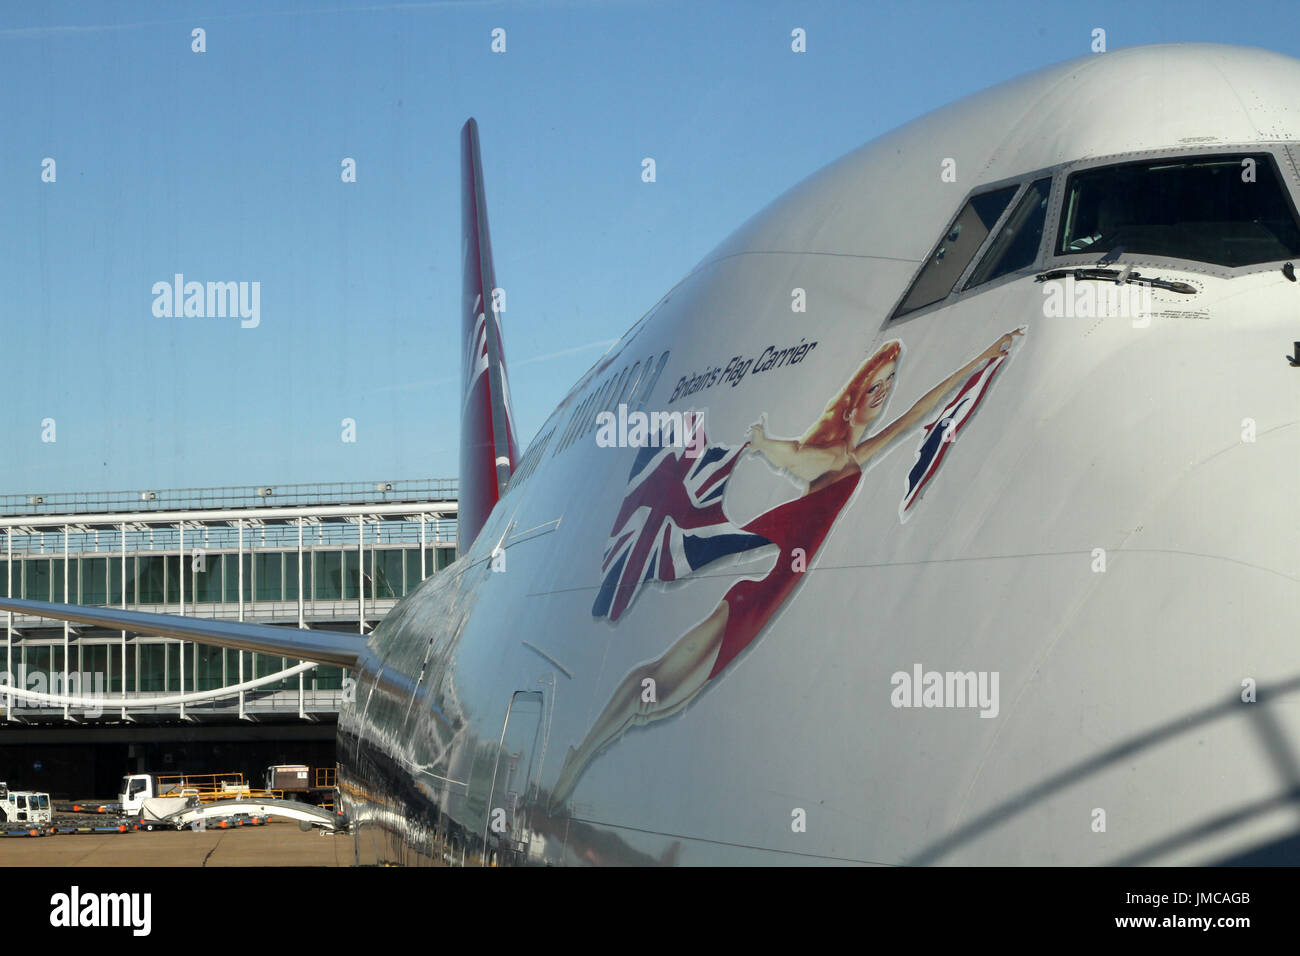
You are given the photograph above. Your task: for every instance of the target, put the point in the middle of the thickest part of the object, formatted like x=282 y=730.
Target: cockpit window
x=1016 y=244
x=957 y=247
x=1226 y=210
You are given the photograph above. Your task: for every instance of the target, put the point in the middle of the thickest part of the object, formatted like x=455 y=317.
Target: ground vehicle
x=138 y=787
x=24 y=806
x=155 y=810
x=289 y=778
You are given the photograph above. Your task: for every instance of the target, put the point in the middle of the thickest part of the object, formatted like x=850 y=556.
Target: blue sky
x=225 y=166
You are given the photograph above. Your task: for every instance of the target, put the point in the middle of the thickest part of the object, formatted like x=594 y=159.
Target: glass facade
x=209 y=667
x=150 y=579
x=413 y=570
x=265 y=666
x=94 y=580
x=207 y=580
x=329 y=677
x=386 y=573
x=94 y=660
x=291 y=574
x=39 y=661
x=151 y=665
x=268 y=576
x=36 y=579
x=115 y=668
x=351 y=564
x=115 y=580
x=171 y=584
x=327 y=569
x=172 y=666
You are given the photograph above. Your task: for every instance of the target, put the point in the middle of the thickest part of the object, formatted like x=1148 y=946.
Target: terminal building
x=330 y=556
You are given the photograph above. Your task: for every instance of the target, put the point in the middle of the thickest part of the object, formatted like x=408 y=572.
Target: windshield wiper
x=1118 y=276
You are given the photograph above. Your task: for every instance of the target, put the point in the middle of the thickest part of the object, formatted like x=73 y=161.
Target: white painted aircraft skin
x=1119 y=690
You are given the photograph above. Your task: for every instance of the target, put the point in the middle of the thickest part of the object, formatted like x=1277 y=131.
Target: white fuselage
x=1112 y=535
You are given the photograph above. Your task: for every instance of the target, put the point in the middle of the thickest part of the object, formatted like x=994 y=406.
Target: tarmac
x=279 y=843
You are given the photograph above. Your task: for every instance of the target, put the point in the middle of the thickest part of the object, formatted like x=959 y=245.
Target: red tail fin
x=488 y=450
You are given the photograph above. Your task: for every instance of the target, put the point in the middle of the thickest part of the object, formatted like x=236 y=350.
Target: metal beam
x=154 y=518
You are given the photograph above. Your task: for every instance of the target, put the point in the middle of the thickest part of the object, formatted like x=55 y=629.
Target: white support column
x=9 y=633
x=361 y=573
x=123 y=608
x=240 y=526
x=67 y=627
x=302 y=622
x=180 y=567
x=302 y=619
x=422 y=574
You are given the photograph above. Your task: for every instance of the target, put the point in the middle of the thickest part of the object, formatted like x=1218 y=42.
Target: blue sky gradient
x=225 y=166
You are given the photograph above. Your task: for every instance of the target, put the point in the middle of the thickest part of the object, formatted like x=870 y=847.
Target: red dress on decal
x=801 y=523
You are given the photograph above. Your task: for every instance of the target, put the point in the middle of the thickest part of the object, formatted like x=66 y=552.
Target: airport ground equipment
x=27 y=830
x=119 y=826
x=226 y=823
x=255 y=808
x=298 y=781
x=289 y=778
x=20 y=807
x=138 y=787
x=156 y=812
x=88 y=806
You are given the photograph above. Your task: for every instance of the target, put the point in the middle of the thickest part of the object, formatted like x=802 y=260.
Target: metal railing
x=380 y=532
x=199 y=782
x=235 y=496
x=279 y=702
x=239 y=793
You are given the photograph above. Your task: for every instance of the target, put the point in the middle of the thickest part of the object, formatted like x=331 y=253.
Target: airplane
x=942 y=515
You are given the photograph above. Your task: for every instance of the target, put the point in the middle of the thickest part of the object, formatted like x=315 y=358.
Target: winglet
x=488 y=450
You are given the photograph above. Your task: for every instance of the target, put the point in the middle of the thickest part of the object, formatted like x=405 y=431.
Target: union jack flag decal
x=670 y=524
x=941 y=433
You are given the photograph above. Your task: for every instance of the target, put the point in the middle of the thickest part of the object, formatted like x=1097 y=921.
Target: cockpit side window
x=1229 y=210
x=956 y=249
x=1016 y=244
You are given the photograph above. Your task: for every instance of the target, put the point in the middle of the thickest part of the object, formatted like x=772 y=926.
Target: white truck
x=24 y=806
x=139 y=787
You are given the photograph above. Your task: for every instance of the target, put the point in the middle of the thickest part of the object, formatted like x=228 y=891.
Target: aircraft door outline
x=513 y=778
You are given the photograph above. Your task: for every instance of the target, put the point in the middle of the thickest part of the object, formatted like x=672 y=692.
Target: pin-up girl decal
x=672 y=523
